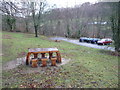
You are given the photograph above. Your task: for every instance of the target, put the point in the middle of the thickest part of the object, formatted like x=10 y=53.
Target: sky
x=65 y=3
x=60 y=3
x=68 y=3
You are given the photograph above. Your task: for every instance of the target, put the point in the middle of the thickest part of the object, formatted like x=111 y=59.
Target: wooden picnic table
x=43 y=51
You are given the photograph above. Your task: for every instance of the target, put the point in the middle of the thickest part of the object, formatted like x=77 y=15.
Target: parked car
x=89 y=40
x=94 y=40
x=82 y=39
x=104 y=41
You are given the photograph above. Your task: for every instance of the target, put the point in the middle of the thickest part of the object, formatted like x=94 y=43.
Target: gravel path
x=83 y=43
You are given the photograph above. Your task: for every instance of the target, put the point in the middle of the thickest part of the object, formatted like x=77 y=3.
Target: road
x=84 y=44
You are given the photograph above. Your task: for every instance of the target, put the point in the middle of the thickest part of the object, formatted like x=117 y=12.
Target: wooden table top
x=42 y=49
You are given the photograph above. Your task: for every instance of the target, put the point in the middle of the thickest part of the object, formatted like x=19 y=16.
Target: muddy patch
x=14 y=63
x=21 y=61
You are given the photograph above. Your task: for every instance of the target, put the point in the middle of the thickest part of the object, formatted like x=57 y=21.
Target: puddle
x=22 y=61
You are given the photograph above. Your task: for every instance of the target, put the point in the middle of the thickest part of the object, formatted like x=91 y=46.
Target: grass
x=111 y=45
x=88 y=67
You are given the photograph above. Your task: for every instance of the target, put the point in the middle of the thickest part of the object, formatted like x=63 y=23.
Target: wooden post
x=35 y=55
x=53 y=61
x=34 y=63
x=44 y=62
x=43 y=55
x=50 y=55
x=58 y=57
x=27 y=58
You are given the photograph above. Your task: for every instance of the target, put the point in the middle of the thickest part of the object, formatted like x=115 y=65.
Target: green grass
x=111 y=45
x=88 y=67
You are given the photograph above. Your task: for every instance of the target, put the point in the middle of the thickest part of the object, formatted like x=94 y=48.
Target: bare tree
x=9 y=9
x=26 y=12
x=37 y=11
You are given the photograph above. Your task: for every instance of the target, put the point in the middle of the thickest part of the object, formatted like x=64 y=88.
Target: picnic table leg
x=44 y=62
x=27 y=59
x=50 y=55
x=43 y=55
x=58 y=57
x=35 y=55
x=53 y=61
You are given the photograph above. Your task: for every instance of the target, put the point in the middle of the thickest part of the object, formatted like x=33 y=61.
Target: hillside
x=87 y=67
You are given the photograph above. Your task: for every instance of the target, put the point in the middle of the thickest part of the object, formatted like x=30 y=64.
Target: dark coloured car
x=95 y=40
x=83 y=39
x=88 y=40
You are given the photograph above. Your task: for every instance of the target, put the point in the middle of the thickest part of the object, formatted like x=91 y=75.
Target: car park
x=104 y=41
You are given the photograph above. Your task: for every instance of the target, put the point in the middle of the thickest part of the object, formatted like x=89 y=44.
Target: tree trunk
x=99 y=26
x=68 y=31
x=26 y=22
x=118 y=32
x=115 y=19
x=36 y=29
x=9 y=23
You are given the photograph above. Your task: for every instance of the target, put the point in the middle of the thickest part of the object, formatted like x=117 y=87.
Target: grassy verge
x=111 y=45
x=88 y=67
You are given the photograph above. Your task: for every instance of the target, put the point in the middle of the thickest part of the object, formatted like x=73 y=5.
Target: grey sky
x=65 y=3
x=59 y=3
x=68 y=3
